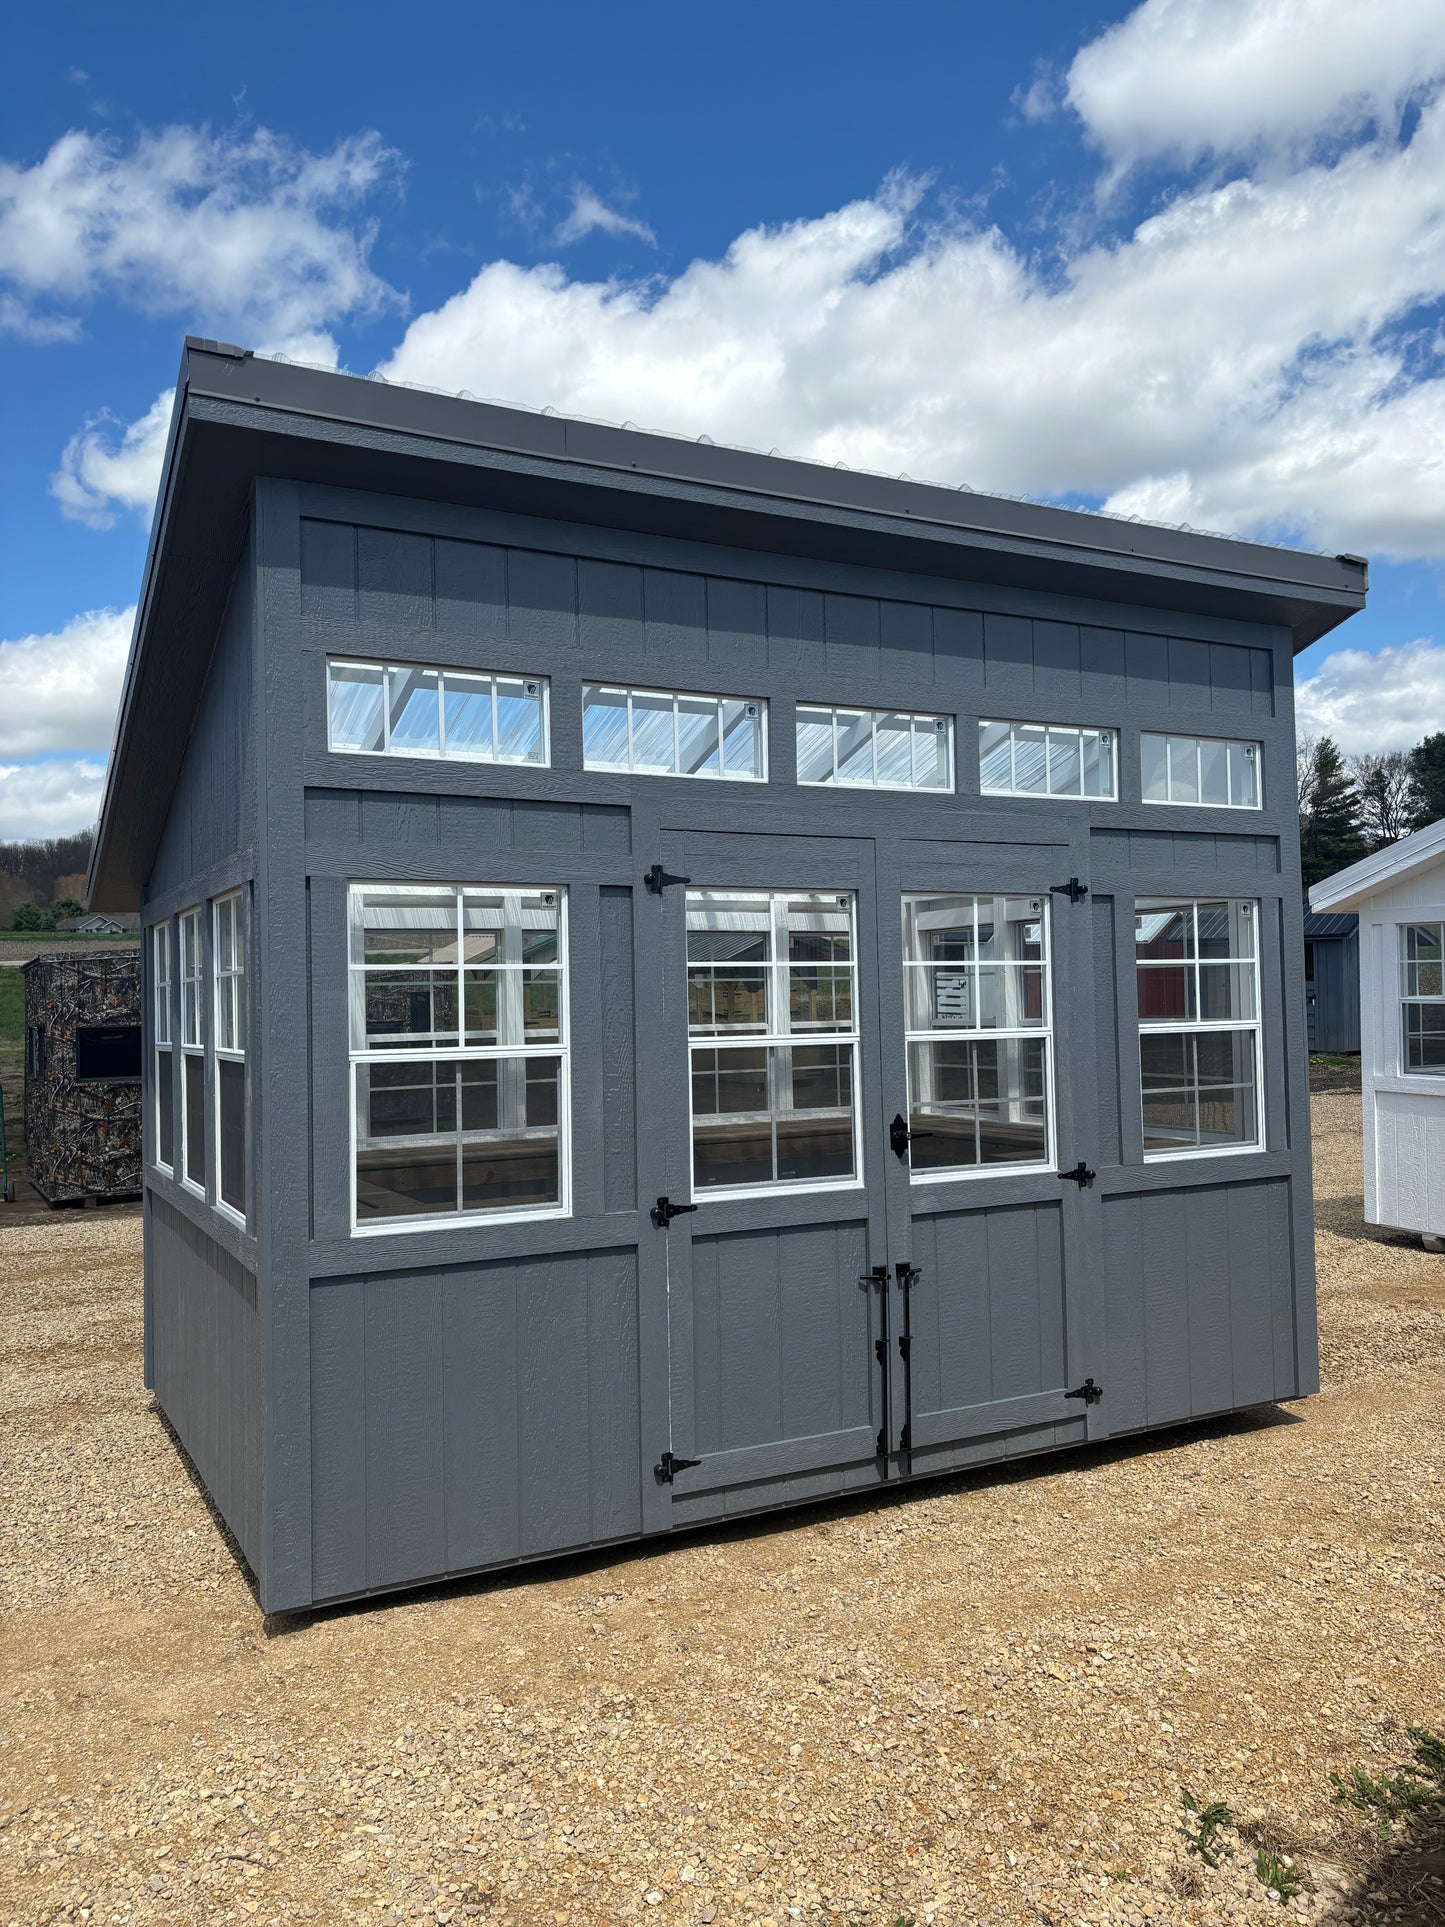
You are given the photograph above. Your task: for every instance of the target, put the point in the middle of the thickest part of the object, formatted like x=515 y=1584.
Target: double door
x=877 y=1235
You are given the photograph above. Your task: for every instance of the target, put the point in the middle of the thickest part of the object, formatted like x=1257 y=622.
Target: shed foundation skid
x=681 y=984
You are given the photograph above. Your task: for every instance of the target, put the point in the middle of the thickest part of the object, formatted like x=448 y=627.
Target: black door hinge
x=882 y=1441
x=657 y=880
x=1080 y=1175
x=668 y=1465
x=664 y=1211
x=905 y=1439
x=905 y=1345
x=1074 y=890
x=1089 y=1392
x=880 y=1350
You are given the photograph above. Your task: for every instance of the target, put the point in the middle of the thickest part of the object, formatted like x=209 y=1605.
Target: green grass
x=12 y=1003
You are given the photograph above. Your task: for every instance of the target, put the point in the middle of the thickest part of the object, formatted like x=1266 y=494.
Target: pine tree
x=1330 y=834
x=1427 y=767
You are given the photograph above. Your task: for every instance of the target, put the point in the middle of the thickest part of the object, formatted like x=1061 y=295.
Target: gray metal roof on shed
x=238 y=416
x=1319 y=923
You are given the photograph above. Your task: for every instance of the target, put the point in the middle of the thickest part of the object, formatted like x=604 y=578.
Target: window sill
x=459 y=1221
x=732 y=1194
x=1205 y=1151
x=971 y=1173
x=1043 y=796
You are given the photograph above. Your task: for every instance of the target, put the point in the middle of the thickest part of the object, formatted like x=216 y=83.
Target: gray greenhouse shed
x=1332 y=981
x=681 y=982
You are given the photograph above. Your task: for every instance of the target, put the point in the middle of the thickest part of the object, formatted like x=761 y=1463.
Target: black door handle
x=900 y=1136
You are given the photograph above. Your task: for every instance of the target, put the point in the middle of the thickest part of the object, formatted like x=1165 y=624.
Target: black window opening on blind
x=231 y=1090
x=107 y=1054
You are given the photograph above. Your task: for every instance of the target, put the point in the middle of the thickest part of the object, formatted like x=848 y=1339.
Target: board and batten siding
x=1404 y=1116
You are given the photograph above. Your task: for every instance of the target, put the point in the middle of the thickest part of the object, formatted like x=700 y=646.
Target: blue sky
x=1183 y=258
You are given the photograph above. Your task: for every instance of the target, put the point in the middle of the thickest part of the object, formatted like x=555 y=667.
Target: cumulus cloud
x=99 y=467
x=242 y=233
x=54 y=798
x=1182 y=79
x=590 y=214
x=1388 y=700
x=60 y=691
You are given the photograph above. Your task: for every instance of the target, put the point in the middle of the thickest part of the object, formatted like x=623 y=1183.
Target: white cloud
x=1388 y=700
x=1180 y=79
x=60 y=691
x=97 y=470
x=590 y=214
x=54 y=798
x=17 y=319
x=241 y=233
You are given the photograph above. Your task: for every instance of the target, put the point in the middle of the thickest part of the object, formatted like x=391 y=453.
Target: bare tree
x=1385 y=783
x=1306 y=767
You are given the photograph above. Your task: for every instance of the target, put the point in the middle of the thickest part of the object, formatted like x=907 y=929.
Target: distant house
x=1332 y=981
x=1399 y=897
x=102 y=923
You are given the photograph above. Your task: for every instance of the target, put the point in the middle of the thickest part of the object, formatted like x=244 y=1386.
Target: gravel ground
x=976 y=1701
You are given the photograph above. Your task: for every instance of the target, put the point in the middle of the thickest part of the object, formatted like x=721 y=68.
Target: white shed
x=1399 y=895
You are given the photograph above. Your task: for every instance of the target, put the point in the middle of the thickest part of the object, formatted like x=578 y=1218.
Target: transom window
x=1422 y=997
x=659 y=732
x=773 y=1028
x=459 y=1053
x=193 y=1057
x=1197 y=970
x=979 y=1033
x=383 y=710
x=880 y=749
x=1207 y=770
x=1047 y=759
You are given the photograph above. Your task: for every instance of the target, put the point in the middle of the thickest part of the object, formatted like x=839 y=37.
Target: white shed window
x=877 y=749
x=660 y=732
x=459 y=1053
x=978 y=1017
x=1047 y=759
x=385 y=710
x=1199 y=1054
x=229 y=946
x=193 y=1051
x=165 y=1117
x=773 y=1024
x=1205 y=770
x=1422 y=997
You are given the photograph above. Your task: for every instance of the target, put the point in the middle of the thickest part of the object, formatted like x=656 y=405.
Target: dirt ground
x=974 y=1701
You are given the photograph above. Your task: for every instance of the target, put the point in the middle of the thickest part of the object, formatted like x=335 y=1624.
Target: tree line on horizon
x=1351 y=806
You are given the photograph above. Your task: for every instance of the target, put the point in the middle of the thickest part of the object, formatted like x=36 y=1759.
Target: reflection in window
x=1206 y=770
x=409 y=711
x=657 y=732
x=978 y=1022
x=1422 y=994
x=1197 y=972
x=1046 y=759
x=459 y=1051
x=881 y=749
x=771 y=989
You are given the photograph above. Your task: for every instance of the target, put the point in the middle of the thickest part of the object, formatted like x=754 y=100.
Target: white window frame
x=777 y=1033
x=228 y=991
x=561 y=1050
x=442 y=753
x=1078 y=731
x=1249 y=907
x=1252 y=748
x=1408 y=998
x=978 y=1033
x=162 y=1039
x=192 y=950
x=676 y=697
x=874 y=782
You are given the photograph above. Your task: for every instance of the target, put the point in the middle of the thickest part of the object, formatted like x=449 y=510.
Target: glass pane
x=190 y=1012
x=1183 y=769
x=193 y=1069
x=511 y=1150
x=1065 y=773
x=401 y=928
x=231 y=1099
x=1164 y=932
x=941 y=997
x=699 y=753
x=722 y=997
x=238 y=994
x=732 y=1137
x=1213 y=772
x=1154 y=769
x=225 y=1015
x=937 y=928
x=1031 y=769
x=1224 y=930
x=1225 y=991
x=1425 y=1039
x=820 y=998
x=815 y=745
x=815 y=1121
x=977 y=1103
x=354 y=707
x=1244 y=775
x=414 y=714
x=604 y=727
x=653 y=751
x=728 y=929
x=995 y=756
x=895 y=750
x=1097 y=756
x=1165 y=991
x=409 y=1009
x=519 y=720
x=467 y=712
x=1010 y=997
x=165 y=1111
x=855 y=746
x=1198 y=1090
x=743 y=739
x=819 y=929
x=510 y=926
x=225 y=927
x=931 y=736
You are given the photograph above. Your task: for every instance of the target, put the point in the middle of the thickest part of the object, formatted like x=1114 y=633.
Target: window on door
x=1199 y=1053
x=1422 y=988
x=979 y=1033
x=773 y=1029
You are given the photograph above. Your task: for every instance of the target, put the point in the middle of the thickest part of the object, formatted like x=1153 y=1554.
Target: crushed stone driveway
x=976 y=1700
